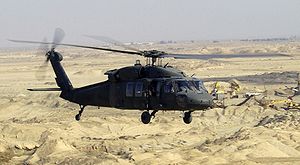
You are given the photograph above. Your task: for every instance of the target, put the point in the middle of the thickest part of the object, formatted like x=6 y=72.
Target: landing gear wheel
x=77 y=117
x=187 y=118
x=146 y=117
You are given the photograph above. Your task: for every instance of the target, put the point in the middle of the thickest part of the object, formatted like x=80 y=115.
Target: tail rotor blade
x=59 y=35
x=47 y=59
x=43 y=48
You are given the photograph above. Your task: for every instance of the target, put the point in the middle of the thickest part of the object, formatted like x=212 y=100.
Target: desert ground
x=39 y=127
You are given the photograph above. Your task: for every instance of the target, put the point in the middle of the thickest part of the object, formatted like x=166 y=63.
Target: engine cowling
x=129 y=73
x=126 y=73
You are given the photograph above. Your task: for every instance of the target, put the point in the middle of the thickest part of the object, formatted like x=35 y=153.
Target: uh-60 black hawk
x=152 y=87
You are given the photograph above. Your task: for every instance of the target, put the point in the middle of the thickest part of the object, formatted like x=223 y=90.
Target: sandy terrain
x=39 y=127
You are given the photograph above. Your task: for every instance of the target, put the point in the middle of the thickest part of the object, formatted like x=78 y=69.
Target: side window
x=129 y=89
x=168 y=88
x=158 y=89
x=138 y=89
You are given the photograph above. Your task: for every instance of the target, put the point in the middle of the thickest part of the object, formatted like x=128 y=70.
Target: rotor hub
x=153 y=53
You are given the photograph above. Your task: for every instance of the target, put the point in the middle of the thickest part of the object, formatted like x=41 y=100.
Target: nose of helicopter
x=193 y=100
x=199 y=100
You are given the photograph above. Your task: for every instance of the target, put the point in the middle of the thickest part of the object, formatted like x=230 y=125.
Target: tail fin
x=62 y=79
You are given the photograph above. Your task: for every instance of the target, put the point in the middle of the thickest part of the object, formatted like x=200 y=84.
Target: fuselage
x=145 y=88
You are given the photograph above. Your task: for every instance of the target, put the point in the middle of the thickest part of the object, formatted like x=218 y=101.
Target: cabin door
x=154 y=95
x=167 y=95
x=116 y=98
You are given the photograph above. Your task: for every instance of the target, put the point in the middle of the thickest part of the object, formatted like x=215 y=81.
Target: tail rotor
x=47 y=51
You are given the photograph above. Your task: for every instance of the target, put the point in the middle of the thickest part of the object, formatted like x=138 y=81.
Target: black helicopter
x=151 y=87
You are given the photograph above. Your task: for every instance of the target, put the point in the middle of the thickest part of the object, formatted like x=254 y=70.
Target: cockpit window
x=199 y=85
x=183 y=85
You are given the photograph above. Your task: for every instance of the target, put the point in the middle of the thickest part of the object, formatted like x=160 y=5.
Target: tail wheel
x=77 y=117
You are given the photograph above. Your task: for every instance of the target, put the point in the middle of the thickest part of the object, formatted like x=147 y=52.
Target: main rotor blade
x=104 y=49
x=112 y=41
x=43 y=48
x=80 y=46
x=211 y=56
x=167 y=55
x=30 y=42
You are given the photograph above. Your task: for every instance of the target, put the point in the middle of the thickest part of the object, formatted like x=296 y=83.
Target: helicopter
x=150 y=88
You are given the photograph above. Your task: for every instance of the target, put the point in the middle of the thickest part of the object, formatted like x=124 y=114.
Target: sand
x=39 y=127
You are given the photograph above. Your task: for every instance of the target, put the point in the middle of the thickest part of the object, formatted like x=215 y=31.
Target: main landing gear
x=146 y=116
x=187 y=117
x=77 y=117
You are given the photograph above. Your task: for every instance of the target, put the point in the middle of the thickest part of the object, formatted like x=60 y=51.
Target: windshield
x=184 y=85
x=199 y=85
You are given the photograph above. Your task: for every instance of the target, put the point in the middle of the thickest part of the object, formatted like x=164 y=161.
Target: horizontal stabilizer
x=45 y=89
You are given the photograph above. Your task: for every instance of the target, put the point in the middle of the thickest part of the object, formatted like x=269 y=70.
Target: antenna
x=298 y=81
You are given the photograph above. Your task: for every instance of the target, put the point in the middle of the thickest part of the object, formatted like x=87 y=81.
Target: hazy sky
x=148 y=20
